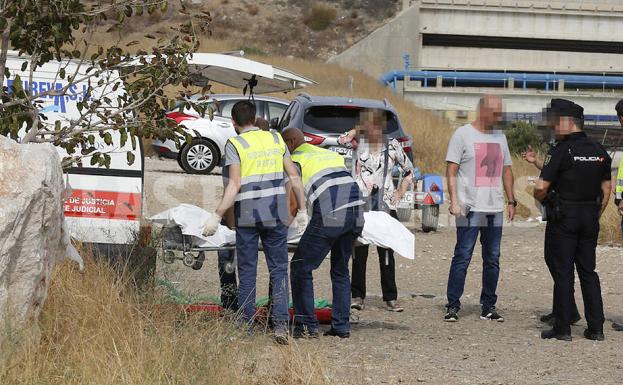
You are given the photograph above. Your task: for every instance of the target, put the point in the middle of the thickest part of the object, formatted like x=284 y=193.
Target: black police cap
x=564 y=107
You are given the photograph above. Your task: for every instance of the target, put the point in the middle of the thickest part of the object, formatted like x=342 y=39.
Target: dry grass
x=95 y=330
x=320 y=16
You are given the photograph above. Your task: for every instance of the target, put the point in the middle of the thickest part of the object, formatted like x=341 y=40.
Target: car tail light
x=406 y=143
x=179 y=117
x=313 y=139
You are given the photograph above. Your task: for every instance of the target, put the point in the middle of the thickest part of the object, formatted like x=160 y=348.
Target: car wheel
x=199 y=157
x=430 y=218
x=404 y=214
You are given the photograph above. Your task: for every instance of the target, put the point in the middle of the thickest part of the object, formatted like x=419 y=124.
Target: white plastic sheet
x=191 y=219
x=380 y=229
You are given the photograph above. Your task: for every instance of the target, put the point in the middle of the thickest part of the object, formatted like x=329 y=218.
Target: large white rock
x=31 y=222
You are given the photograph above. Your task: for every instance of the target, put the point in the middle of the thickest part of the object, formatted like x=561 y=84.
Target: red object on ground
x=323 y=315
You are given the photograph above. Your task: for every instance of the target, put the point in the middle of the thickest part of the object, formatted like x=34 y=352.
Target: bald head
x=489 y=111
x=293 y=138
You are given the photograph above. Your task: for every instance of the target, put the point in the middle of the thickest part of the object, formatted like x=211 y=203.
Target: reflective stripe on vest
x=261 y=164
x=619 y=184
x=317 y=163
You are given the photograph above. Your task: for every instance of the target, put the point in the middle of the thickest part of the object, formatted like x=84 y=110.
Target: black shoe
x=491 y=315
x=305 y=334
x=550 y=319
x=451 y=315
x=617 y=326
x=334 y=333
x=593 y=336
x=547 y=318
x=549 y=334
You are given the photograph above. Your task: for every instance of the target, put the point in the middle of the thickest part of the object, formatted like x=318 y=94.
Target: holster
x=553 y=207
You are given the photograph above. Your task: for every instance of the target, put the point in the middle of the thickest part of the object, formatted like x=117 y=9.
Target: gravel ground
x=416 y=346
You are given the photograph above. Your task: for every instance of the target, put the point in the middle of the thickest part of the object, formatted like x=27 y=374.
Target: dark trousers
x=568 y=241
x=229 y=285
x=333 y=233
x=489 y=226
x=274 y=240
x=387 y=266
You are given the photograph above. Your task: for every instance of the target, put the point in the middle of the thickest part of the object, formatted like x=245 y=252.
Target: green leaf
x=91 y=139
x=24 y=66
x=57 y=125
x=124 y=137
x=164 y=6
x=95 y=158
x=128 y=11
x=108 y=138
x=131 y=157
x=61 y=73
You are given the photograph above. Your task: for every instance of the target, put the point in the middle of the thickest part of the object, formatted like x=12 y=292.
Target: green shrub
x=320 y=16
x=520 y=135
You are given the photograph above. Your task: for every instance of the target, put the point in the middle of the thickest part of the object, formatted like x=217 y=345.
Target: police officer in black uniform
x=574 y=187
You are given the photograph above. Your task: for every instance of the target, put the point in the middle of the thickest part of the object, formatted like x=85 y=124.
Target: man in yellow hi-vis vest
x=256 y=188
x=334 y=202
x=618 y=199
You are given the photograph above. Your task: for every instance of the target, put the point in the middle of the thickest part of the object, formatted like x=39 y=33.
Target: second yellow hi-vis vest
x=322 y=169
x=619 y=187
x=261 y=164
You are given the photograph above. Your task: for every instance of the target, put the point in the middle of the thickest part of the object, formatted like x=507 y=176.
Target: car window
x=339 y=119
x=275 y=110
x=225 y=108
x=288 y=115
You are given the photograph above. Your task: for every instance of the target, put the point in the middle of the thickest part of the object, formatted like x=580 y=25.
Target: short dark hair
x=579 y=123
x=243 y=113
x=619 y=108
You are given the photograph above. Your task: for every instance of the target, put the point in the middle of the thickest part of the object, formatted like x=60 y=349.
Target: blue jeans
x=489 y=225
x=335 y=233
x=274 y=239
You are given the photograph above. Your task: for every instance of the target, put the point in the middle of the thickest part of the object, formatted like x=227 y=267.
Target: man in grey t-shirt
x=479 y=173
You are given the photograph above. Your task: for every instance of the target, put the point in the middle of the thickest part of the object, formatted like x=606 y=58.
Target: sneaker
x=549 y=334
x=491 y=315
x=334 y=333
x=280 y=337
x=393 y=306
x=357 y=304
x=617 y=326
x=451 y=315
x=593 y=336
x=354 y=318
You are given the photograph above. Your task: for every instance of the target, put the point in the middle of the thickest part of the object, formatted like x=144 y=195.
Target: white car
x=206 y=150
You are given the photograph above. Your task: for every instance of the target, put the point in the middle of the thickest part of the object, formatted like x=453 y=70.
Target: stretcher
x=174 y=242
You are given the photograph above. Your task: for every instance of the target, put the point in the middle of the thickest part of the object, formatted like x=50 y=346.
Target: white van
x=105 y=206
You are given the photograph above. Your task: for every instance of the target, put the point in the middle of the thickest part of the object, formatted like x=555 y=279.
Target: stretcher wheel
x=168 y=257
x=198 y=264
x=189 y=259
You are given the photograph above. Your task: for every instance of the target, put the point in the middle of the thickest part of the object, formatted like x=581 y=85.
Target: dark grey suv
x=324 y=118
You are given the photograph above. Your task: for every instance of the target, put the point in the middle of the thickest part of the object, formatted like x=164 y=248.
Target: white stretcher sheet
x=379 y=229
x=191 y=219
